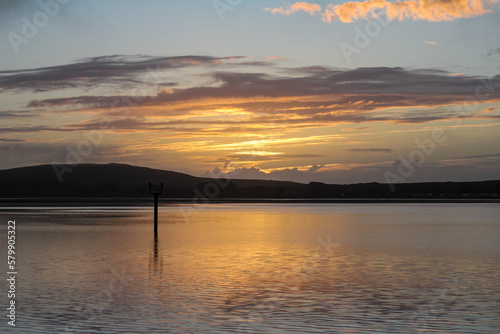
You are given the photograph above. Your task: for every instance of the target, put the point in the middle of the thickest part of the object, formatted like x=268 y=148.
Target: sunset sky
x=337 y=92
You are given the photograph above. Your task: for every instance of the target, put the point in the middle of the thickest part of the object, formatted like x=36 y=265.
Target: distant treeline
x=125 y=181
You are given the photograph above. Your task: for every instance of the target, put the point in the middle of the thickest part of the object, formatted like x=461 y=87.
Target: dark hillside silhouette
x=126 y=181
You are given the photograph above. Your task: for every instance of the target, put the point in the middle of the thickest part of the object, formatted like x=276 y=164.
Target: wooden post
x=156 y=190
x=156 y=216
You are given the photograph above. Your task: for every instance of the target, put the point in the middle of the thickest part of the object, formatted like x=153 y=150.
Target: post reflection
x=155 y=260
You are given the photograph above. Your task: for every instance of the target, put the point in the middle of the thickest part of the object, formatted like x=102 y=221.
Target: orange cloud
x=298 y=6
x=429 y=10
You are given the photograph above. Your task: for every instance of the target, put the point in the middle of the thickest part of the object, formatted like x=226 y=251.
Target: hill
x=121 y=180
x=126 y=181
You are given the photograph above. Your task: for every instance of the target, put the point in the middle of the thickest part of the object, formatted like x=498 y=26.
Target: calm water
x=257 y=268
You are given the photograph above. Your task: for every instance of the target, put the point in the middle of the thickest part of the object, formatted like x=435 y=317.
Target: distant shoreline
x=20 y=202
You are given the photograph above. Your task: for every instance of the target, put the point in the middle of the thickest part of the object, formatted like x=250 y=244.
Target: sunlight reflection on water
x=260 y=268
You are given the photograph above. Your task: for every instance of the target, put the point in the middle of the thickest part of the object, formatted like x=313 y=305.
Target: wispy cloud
x=116 y=69
x=495 y=51
x=356 y=129
x=430 y=43
x=296 y=7
x=428 y=10
x=10 y=140
x=369 y=88
x=255 y=103
x=259 y=157
x=371 y=150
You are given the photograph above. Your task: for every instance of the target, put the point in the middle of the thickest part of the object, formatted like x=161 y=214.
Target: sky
x=334 y=92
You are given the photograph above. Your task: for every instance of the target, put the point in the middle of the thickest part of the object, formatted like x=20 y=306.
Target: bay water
x=256 y=268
